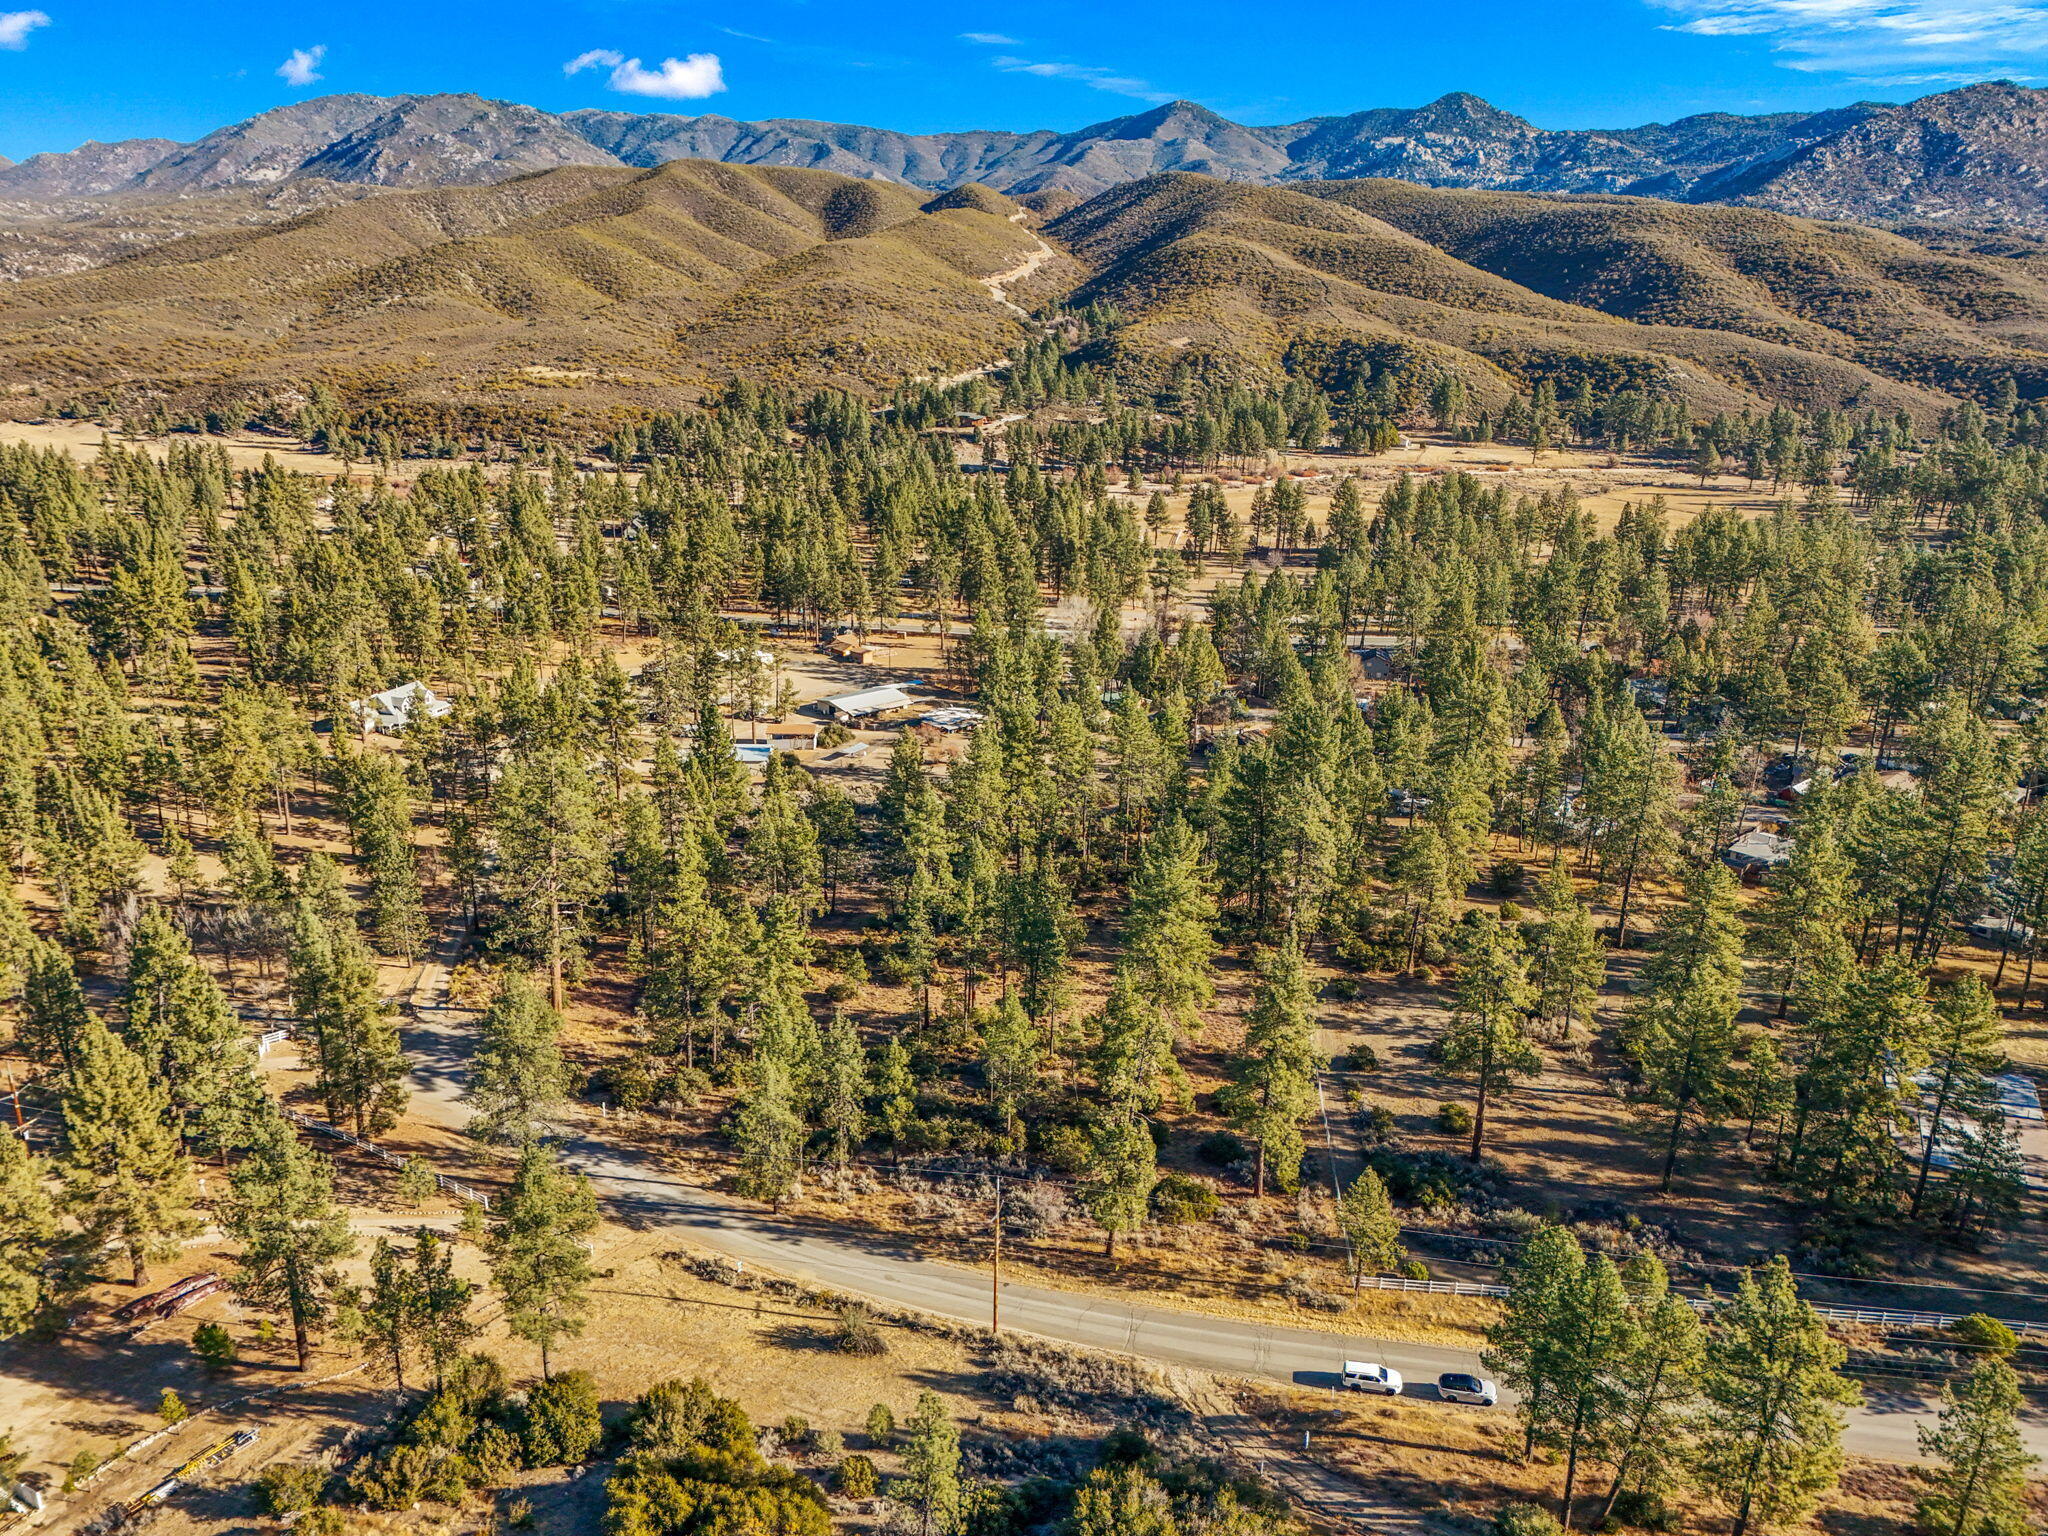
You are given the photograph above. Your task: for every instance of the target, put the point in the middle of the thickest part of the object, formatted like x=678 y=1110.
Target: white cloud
x=993 y=39
x=1085 y=74
x=15 y=27
x=303 y=67
x=676 y=80
x=1907 y=41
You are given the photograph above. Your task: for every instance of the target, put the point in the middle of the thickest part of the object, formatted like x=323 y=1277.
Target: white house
x=1757 y=851
x=393 y=709
x=869 y=701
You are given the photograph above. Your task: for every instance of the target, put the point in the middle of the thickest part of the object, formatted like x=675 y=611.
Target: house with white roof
x=393 y=710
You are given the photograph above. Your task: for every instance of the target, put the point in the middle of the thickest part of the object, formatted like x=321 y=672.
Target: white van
x=1361 y=1376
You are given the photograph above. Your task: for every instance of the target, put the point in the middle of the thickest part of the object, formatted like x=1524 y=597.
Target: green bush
x=1525 y=1520
x=285 y=1489
x=214 y=1346
x=563 y=1424
x=833 y=734
x=1222 y=1149
x=397 y=1476
x=670 y=1415
x=1454 y=1119
x=1414 y=1269
x=1377 y=1122
x=1645 y=1511
x=855 y=1477
x=796 y=1432
x=1360 y=1058
x=1063 y=1148
x=171 y=1408
x=1985 y=1334
x=880 y=1425
x=828 y=1443
x=1178 y=1199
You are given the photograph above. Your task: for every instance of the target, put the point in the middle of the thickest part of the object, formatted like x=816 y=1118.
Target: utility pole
x=995 y=1278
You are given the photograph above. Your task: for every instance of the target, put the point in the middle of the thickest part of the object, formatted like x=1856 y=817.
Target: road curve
x=889 y=1269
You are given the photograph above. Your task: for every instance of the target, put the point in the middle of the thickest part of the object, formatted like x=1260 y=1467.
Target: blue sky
x=77 y=69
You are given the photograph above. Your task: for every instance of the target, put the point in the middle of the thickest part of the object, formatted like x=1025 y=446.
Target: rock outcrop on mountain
x=1977 y=155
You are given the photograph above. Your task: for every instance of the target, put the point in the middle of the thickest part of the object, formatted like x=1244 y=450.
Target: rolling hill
x=583 y=287
x=1724 y=307
x=580 y=287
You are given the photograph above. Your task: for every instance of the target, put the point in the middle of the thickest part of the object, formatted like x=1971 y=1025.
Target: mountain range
x=1975 y=156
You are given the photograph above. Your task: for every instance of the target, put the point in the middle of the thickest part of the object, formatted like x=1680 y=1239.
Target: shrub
x=1986 y=1334
x=1525 y=1520
x=563 y=1424
x=171 y=1408
x=1645 y=1511
x=1376 y=1122
x=397 y=1476
x=1063 y=1148
x=857 y=1333
x=214 y=1346
x=855 y=1477
x=324 y=1521
x=1178 y=1200
x=1360 y=1058
x=1454 y=1119
x=828 y=1443
x=284 y=1489
x=670 y=1415
x=1222 y=1149
x=881 y=1425
x=796 y=1432
x=82 y=1466
x=833 y=734
x=1414 y=1269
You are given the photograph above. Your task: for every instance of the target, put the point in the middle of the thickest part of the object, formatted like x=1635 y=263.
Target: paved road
x=890 y=1270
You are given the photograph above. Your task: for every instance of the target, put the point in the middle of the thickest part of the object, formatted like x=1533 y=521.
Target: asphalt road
x=890 y=1270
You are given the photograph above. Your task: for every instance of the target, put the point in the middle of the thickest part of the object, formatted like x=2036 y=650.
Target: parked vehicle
x=1361 y=1376
x=1459 y=1387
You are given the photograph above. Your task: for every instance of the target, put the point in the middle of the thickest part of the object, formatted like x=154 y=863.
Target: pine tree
x=769 y=1133
x=1372 y=1232
x=180 y=1023
x=125 y=1180
x=1569 y=962
x=1519 y=1348
x=842 y=1104
x=1981 y=1462
x=930 y=1485
x=359 y=1067
x=293 y=1235
x=1485 y=1040
x=28 y=1225
x=544 y=817
x=1590 y=1344
x=1010 y=1066
x=53 y=1013
x=1169 y=940
x=518 y=1083
x=1965 y=1046
x=1770 y=1429
x=1659 y=1382
x=390 y=1309
x=540 y=1263
x=1802 y=922
x=1116 y=1183
x=1275 y=1082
